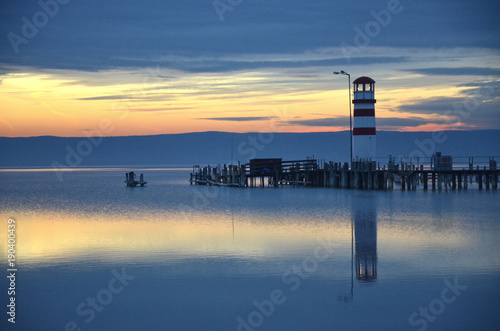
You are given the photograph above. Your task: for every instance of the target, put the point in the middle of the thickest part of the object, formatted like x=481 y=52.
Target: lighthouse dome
x=364 y=80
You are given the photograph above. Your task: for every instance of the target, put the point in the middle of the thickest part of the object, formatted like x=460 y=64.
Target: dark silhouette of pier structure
x=437 y=172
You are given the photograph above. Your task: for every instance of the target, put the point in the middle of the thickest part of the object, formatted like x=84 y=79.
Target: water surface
x=206 y=258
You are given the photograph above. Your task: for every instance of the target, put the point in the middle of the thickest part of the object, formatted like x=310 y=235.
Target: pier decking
x=434 y=173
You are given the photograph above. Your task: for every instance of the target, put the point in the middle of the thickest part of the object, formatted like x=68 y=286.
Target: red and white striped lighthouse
x=364 y=128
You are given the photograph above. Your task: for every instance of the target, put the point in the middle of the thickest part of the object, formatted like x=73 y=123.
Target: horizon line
x=242 y=133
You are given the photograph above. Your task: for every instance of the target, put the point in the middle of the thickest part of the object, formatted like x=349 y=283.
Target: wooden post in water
x=325 y=184
x=426 y=184
x=342 y=179
x=243 y=177
x=334 y=178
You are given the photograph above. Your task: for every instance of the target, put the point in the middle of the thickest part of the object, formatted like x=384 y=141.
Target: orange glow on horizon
x=62 y=103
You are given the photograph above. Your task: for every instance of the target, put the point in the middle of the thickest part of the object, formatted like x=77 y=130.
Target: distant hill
x=215 y=147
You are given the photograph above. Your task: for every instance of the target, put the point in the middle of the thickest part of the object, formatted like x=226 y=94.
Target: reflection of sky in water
x=232 y=246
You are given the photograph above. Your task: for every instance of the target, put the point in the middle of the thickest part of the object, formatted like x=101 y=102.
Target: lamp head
x=336 y=72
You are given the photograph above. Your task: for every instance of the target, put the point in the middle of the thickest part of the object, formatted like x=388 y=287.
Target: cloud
x=213 y=66
x=486 y=91
x=73 y=83
x=5 y=71
x=381 y=122
x=322 y=122
x=478 y=106
x=206 y=65
x=240 y=119
x=95 y=35
x=436 y=105
x=479 y=93
x=462 y=71
x=153 y=109
x=461 y=109
x=410 y=121
x=107 y=97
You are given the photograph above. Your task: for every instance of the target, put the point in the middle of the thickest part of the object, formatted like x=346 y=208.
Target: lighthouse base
x=364 y=147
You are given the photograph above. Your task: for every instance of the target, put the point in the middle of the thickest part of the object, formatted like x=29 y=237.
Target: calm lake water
x=95 y=254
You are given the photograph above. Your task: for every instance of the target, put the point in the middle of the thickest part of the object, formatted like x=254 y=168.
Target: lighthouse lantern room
x=364 y=128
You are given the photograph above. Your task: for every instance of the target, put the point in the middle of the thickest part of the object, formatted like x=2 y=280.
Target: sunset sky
x=72 y=68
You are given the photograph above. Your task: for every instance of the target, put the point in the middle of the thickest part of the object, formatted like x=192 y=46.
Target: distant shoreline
x=186 y=150
x=96 y=168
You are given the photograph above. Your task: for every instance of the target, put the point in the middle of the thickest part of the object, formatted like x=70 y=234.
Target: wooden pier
x=437 y=173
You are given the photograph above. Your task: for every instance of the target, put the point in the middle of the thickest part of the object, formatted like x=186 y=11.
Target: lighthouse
x=364 y=129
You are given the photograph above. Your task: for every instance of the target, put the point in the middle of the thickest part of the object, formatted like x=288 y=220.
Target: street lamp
x=342 y=72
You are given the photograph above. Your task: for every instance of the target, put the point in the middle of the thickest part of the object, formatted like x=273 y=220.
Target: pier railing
x=433 y=163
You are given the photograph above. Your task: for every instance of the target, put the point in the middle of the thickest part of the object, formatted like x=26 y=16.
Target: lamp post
x=342 y=72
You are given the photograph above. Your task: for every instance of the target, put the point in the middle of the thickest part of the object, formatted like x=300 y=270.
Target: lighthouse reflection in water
x=365 y=230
